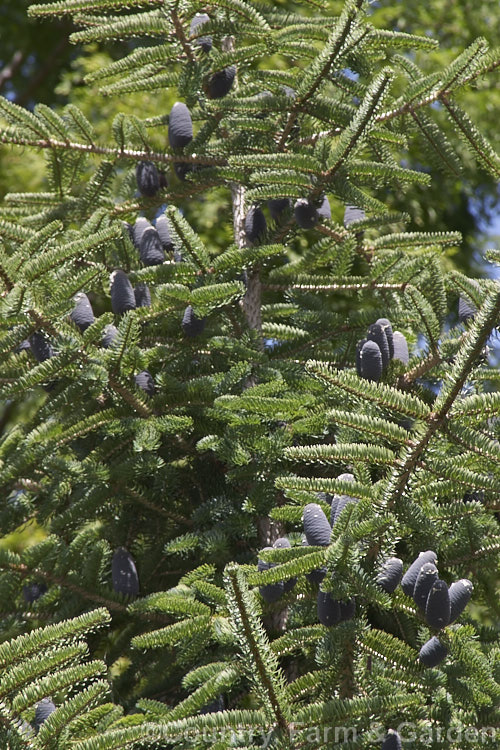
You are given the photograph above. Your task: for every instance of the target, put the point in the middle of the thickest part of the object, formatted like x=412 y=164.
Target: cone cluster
x=439 y=604
x=317 y=530
x=374 y=352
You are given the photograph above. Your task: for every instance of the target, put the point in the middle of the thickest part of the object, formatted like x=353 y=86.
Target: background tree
x=208 y=396
x=468 y=200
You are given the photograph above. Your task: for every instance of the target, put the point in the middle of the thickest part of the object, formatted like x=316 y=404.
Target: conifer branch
x=203 y=463
x=347 y=679
x=256 y=642
x=423 y=367
x=117 y=153
x=484 y=152
x=358 y=287
x=474 y=342
x=110 y=604
x=24 y=570
x=179 y=32
x=339 y=38
x=139 y=406
x=142 y=500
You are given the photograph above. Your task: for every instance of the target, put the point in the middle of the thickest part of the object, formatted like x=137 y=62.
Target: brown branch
x=179 y=32
x=347 y=680
x=129 y=397
x=64 y=583
x=150 y=505
x=406 y=380
x=329 y=232
x=25 y=571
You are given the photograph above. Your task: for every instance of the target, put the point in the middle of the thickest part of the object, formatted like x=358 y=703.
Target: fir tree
x=232 y=453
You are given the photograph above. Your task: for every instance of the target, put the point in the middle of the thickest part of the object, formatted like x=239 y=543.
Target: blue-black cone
x=272 y=591
x=339 y=502
x=205 y=42
x=324 y=210
x=277 y=207
x=316 y=575
x=343 y=501
x=40 y=346
x=25 y=729
x=129 y=229
x=316 y=526
x=438 y=608
x=142 y=295
x=151 y=248
x=180 y=126
x=219 y=85
x=182 y=169
x=163 y=229
x=410 y=577
x=325 y=497
x=214 y=706
x=33 y=591
x=400 y=345
x=390 y=574
x=347 y=610
x=144 y=380
x=42 y=712
x=148 y=179
x=140 y=226
x=288 y=92
x=359 y=347
x=255 y=224
x=82 y=314
x=392 y=741
x=328 y=609
x=124 y=573
x=371 y=361
x=377 y=333
x=426 y=578
x=122 y=293
x=283 y=543
x=262 y=95
x=466 y=310
x=387 y=327
x=460 y=593
x=191 y=324
x=23 y=346
x=352 y=213
x=432 y=652
x=306 y=214
x=109 y=336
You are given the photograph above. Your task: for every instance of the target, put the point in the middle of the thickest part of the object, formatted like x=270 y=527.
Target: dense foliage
x=231 y=453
